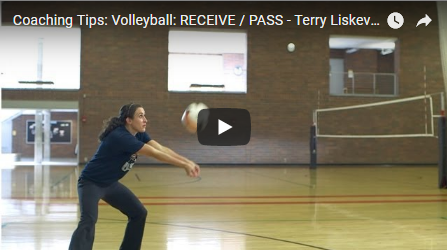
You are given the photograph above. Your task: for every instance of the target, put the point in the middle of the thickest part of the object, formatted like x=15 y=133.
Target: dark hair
x=112 y=123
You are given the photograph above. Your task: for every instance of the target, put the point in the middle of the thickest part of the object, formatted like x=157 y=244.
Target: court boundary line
x=239 y=233
x=102 y=203
x=251 y=197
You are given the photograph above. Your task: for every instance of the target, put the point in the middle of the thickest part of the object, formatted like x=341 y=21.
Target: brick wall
x=121 y=64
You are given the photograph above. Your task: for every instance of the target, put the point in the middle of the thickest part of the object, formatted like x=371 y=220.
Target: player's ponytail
x=112 y=123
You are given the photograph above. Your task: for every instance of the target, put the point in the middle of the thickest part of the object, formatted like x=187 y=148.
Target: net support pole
x=442 y=163
x=313 y=147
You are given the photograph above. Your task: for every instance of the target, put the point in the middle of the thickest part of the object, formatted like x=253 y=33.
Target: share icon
x=425 y=20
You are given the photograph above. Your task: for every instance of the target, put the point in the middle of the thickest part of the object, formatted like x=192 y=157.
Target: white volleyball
x=191 y=115
x=291 y=47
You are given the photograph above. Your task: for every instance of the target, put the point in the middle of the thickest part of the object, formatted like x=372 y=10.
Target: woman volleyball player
x=122 y=140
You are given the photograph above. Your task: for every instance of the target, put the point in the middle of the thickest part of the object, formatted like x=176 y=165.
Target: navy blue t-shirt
x=115 y=156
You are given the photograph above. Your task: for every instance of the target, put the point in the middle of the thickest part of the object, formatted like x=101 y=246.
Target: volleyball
x=190 y=118
x=291 y=47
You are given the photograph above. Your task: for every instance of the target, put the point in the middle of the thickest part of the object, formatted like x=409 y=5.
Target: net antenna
x=339 y=122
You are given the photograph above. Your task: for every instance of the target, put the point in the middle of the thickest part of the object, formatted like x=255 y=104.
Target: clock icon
x=395 y=20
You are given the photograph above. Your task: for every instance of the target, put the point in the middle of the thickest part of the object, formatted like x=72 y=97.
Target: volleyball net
x=405 y=117
x=417 y=116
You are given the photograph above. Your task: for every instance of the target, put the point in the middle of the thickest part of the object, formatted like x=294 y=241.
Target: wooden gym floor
x=239 y=208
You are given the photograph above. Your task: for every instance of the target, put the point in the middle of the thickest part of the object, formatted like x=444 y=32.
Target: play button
x=222 y=127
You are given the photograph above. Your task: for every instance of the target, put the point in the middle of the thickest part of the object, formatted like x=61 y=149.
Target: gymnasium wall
x=58 y=150
x=122 y=64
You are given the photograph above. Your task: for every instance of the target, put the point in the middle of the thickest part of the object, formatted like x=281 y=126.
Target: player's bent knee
x=142 y=213
x=88 y=220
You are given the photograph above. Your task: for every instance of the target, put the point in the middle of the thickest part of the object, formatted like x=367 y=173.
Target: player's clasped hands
x=192 y=169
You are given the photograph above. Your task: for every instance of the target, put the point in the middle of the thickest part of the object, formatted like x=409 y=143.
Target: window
x=40 y=54
x=362 y=66
x=207 y=61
